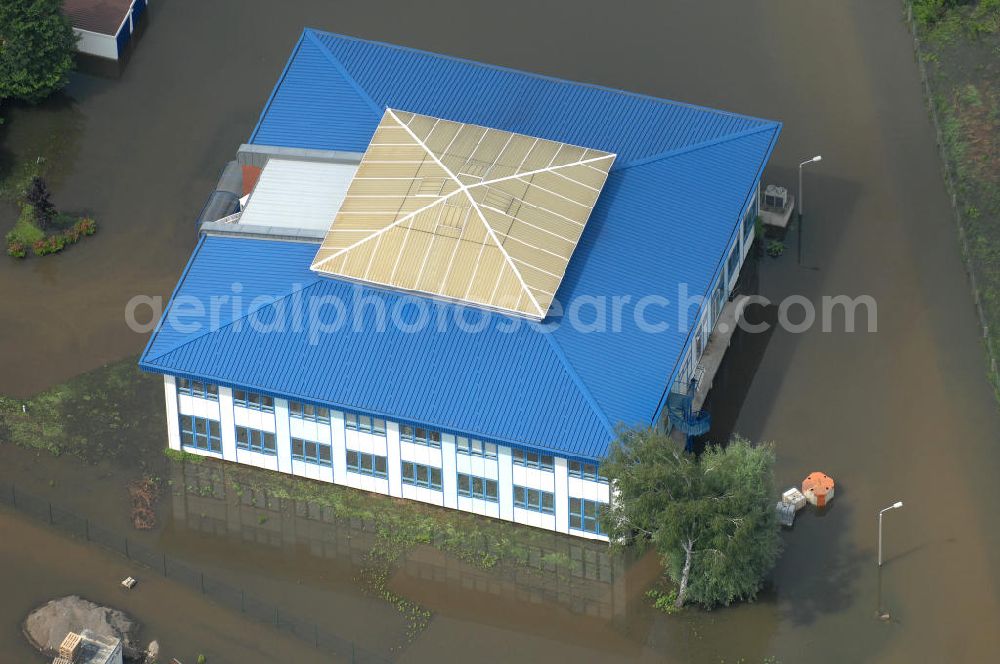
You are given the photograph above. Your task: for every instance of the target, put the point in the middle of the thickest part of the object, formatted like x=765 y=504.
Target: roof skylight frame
x=536 y=296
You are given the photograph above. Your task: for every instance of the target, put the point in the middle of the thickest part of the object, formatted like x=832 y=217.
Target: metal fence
x=218 y=591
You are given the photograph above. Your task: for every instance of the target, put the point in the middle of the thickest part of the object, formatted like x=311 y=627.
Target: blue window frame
x=474 y=447
x=534 y=499
x=254 y=440
x=533 y=459
x=364 y=424
x=311 y=452
x=366 y=464
x=419 y=436
x=253 y=401
x=470 y=486
x=420 y=475
x=309 y=412
x=197 y=388
x=585 y=515
x=200 y=433
x=585 y=471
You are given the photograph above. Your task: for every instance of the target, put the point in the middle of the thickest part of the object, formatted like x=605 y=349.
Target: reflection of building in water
x=581 y=576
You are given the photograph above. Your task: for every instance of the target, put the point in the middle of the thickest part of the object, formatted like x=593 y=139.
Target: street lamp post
x=894 y=506
x=800 y=202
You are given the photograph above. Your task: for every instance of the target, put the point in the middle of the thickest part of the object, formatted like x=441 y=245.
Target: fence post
x=316 y=633
x=50 y=513
x=277 y=623
x=86 y=529
x=243 y=601
x=164 y=564
x=126 y=549
x=202 y=583
x=13 y=495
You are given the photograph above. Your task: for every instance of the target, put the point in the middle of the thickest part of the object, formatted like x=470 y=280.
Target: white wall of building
x=93 y=43
x=173 y=424
x=502 y=469
x=227 y=422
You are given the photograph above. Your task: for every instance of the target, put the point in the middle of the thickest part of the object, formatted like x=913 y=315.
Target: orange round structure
x=818 y=489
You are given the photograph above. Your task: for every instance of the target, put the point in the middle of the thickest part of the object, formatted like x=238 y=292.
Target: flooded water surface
x=902 y=414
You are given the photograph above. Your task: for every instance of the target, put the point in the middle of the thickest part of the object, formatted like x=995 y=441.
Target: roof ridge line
x=554 y=79
x=274 y=90
x=173 y=294
x=770 y=126
x=232 y=322
x=339 y=66
x=575 y=377
x=687 y=340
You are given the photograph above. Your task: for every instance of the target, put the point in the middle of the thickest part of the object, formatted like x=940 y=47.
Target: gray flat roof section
x=294 y=194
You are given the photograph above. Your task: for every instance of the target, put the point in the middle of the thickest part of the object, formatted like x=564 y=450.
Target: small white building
x=451 y=281
x=104 y=27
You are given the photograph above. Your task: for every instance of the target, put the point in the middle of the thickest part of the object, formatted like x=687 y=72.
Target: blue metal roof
x=667 y=215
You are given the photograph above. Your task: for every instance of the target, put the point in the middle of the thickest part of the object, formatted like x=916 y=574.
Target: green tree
x=38 y=196
x=711 y=519
x=36 y=49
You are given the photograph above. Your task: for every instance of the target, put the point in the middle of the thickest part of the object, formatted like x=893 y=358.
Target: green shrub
x=775 y=248
x=86 y=226
x=16 y=249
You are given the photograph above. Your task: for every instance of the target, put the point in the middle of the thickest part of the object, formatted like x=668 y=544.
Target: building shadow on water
x=736 y=373
x=741 y=380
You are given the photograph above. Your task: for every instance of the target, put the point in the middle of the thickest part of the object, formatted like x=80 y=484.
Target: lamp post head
x=818 y=157
x=897 y=504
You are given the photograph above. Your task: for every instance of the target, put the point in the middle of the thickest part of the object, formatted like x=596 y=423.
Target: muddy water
x=901 y=414
x=34 y=565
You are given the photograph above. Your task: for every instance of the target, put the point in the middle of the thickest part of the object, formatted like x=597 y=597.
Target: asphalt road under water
x=905 y=413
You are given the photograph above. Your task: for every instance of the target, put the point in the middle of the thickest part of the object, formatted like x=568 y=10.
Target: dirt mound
x=47 y=626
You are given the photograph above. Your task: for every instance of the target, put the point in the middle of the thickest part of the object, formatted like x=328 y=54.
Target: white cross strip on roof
x=463 y=212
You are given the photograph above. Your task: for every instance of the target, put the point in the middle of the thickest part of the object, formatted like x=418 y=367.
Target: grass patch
x=960 y=46
x=65 y=230
x=25 y=229
x=96 y=416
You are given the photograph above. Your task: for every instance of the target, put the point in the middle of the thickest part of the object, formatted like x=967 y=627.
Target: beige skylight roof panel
x=464 y=212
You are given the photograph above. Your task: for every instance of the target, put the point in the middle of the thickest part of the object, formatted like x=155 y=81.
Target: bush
x=25 y=235
x=86 y=226
x=16 y=248
x=51 y=244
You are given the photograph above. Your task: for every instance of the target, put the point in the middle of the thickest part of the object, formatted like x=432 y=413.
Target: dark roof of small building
x=102 y=16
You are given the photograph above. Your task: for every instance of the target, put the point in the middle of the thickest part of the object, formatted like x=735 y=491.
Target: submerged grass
x=399 y=526
x=959 y=46
x=113 y=413
x=102 y=414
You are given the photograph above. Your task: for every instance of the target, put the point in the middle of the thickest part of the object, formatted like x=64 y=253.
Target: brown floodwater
x=902 y=414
